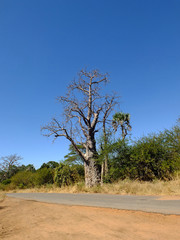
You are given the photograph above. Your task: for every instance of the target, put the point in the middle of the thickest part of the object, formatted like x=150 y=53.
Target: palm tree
x=123 y=120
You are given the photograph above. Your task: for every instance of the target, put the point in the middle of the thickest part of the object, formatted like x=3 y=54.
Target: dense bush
x=67 y=175
x=119 y=161
x=156 y=156
x=28 y=179
x=23 y=180
x=152 y=159
x=43 y=176
x=6 y=182
x=79 y=168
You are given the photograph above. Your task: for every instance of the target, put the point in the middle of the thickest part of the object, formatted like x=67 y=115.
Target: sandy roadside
x=21 y=220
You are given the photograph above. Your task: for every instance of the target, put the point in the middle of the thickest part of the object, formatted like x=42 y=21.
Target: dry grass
x=168 y=188
x=2 y=196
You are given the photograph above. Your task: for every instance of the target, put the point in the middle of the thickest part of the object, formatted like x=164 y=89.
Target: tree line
x=156 y=156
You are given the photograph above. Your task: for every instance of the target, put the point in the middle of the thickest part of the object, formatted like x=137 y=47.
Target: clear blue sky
x=43 y=44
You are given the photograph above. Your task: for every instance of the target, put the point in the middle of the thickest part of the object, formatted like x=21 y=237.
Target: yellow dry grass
x=2 y=196
x=166 y=188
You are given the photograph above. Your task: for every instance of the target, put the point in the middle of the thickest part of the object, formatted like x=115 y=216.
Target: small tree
x=123 y=120
x=50 y=164
x=110 y=103
x=9 y=165
x=84 y=109
x=27 y=168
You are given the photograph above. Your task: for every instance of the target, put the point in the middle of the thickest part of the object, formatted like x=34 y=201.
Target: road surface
x=126 y=202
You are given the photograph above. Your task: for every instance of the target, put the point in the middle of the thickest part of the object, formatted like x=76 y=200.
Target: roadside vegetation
x=122 y=187
x=148 y=166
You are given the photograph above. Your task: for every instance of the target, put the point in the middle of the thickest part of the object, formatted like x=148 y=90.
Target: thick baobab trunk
x=91 y=166
x=92 y=173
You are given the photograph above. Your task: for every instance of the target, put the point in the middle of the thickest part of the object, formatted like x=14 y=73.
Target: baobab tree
x=84 y=115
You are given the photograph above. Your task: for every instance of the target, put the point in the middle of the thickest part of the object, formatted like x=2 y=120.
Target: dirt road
x=23 y=219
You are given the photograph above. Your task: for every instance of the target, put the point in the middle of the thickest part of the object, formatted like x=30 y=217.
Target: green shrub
x=152 y=159
x=43 y=176
x=6 y=182
x=80 y=170
x=29 y=179
x=119 y=162
x=66 y=175
x=23 y=180
x=2 y=187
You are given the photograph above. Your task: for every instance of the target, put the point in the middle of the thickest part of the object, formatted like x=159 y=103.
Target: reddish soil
x=22 y=220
